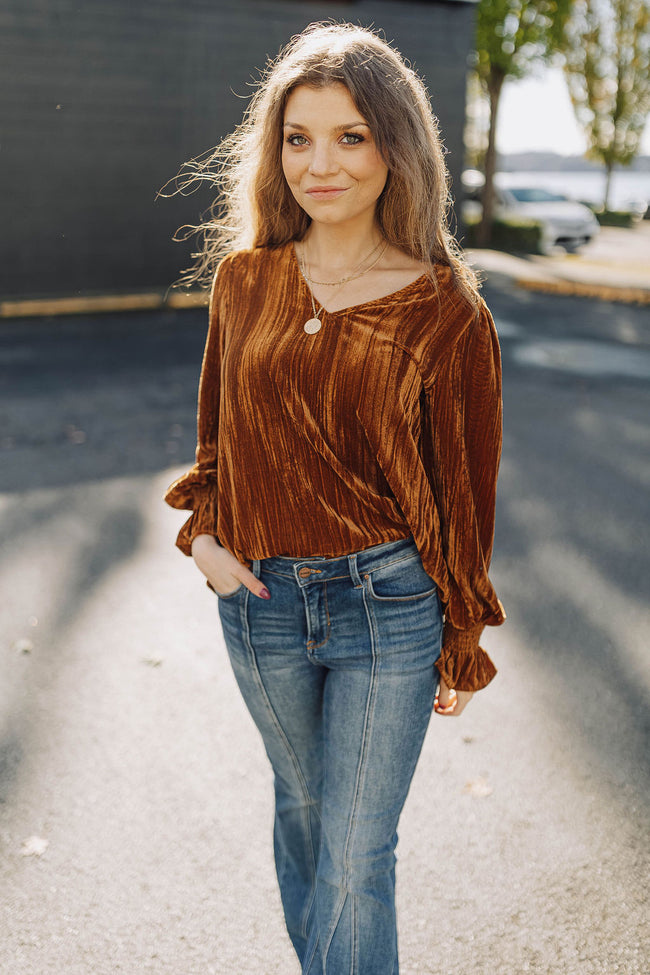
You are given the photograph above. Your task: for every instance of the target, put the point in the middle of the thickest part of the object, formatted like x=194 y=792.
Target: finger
x=253 y=583
x=448 y=712
x=462 y=700
x=445 y=701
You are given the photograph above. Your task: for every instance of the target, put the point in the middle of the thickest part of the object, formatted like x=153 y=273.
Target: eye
x=296 y=139
x=352 y=139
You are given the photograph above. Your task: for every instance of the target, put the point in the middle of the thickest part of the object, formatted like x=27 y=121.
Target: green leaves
x=512 y=35
x=608 y=73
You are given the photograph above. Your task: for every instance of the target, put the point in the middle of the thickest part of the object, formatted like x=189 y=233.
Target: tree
x=511 y=37
x=608 y=72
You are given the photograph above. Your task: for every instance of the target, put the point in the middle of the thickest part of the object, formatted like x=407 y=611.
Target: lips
x=325 y=192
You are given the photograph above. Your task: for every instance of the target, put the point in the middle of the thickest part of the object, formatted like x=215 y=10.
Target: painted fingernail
x=445 y=708
x=264 y=593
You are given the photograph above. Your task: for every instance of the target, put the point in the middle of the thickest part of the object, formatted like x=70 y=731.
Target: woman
x=349 y=432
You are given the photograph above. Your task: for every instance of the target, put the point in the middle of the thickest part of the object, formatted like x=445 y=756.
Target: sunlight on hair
x=254 y=206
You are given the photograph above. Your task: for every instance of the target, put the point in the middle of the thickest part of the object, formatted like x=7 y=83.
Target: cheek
x=284 y=165
x=382 y=178
x=374 y=172
x=290 y=167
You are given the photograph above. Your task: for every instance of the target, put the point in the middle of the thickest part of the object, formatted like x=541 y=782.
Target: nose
x=322 y=161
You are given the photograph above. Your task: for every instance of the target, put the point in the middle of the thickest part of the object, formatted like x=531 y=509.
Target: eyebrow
x=339 y=128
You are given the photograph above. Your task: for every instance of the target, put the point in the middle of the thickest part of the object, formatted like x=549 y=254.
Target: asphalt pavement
x=135 y=798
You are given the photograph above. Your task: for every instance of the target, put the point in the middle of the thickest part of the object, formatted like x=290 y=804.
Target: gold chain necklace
x=313 y=325
x=350 y=277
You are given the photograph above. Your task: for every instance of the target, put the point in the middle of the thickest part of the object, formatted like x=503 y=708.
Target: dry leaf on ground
x=478 y=788
x=34 y=846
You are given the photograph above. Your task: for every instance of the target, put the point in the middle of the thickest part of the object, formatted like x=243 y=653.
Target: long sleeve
x=463 y=425
x=196 y=490
x=384 y=422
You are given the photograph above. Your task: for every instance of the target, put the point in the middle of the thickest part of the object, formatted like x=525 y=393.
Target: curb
x=606 y=277
x=99 y=304
x=602 y=292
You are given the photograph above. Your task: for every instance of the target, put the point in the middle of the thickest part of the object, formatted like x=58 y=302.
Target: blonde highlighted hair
x=255 y=207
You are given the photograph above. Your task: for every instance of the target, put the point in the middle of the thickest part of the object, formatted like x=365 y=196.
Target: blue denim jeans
x=337 y=670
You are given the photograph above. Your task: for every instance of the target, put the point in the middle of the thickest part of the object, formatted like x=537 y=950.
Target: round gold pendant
x=312 y=326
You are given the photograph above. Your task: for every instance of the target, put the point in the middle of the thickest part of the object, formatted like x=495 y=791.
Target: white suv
x=565 y=223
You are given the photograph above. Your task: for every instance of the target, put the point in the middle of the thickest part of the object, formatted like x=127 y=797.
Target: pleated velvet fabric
x=384 y=423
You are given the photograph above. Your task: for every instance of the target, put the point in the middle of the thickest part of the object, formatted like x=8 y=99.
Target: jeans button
x=304 y=572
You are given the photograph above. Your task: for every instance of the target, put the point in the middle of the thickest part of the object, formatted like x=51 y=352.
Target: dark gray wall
x=102 y=100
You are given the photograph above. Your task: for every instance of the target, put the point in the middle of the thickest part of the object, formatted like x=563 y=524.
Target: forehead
x=327 y=101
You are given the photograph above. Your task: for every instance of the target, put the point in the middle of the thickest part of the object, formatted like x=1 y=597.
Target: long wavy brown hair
x=255 y=207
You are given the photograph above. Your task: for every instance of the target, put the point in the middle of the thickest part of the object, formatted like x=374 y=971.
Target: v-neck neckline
x=387 y=298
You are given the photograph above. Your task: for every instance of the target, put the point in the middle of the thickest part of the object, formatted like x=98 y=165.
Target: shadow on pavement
x=569 y=556
x=85 y=401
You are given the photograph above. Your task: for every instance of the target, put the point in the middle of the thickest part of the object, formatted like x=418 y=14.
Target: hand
x=222 y=570
x=450 y=703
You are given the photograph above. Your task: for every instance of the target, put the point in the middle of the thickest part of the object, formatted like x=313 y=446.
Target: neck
x=338 y=248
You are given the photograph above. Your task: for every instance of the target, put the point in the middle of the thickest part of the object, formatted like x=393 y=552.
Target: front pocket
x=402 y=580
x=229 y=595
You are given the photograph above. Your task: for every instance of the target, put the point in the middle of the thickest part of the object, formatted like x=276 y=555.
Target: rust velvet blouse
x=385 y=423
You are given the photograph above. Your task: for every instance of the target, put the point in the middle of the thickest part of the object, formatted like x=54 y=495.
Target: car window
x=530 y=195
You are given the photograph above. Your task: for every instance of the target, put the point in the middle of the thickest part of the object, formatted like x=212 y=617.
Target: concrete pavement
x=613 y=267
x=135 y=798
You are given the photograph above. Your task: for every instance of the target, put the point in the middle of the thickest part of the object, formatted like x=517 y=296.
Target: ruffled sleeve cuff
x=463 y=664
x=186 y=493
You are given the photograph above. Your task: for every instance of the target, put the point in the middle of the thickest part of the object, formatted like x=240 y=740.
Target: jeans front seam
x=358 y=785
x=312 y=954
x=336 y=917
x=286 y=744
x=309 y=904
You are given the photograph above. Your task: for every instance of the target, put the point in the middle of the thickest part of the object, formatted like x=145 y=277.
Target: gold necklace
x=350 y=277
x=313 y=325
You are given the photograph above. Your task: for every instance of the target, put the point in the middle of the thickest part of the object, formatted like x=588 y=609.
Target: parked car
x=565 y=223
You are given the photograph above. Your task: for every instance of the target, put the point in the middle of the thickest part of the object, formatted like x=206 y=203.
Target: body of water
x=625 y=187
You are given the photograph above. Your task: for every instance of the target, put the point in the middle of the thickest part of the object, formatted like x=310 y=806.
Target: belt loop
x=354 y=572
x=256 y=568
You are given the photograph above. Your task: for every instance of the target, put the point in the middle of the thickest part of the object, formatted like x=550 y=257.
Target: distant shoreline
x=628 y=189
x=555 y=162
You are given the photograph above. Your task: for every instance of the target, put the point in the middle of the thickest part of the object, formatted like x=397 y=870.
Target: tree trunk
x=608 y=182
x=484 y=235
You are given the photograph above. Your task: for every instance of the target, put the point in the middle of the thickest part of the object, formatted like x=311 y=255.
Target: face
x=329 y=157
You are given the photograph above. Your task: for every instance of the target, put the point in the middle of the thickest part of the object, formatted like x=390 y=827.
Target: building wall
x=101 y=102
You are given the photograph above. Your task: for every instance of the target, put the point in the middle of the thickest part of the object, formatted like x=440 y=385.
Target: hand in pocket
x=222 y=570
